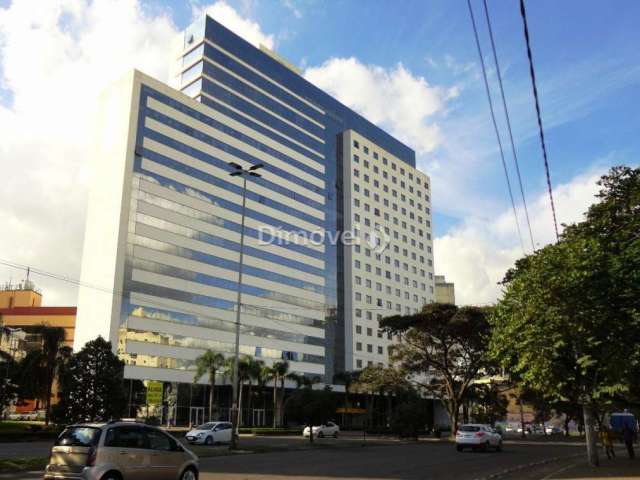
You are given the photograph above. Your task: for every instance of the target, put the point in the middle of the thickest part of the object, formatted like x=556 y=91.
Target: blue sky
x=410 y=66
x=587 y=64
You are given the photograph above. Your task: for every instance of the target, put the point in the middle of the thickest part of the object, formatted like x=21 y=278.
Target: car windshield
x=206 y=426
x=78 y=437
x=469 y=428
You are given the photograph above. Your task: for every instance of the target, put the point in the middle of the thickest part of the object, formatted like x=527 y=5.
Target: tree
x=279 y=372
x=46 y=360
x=9 y=387
x=409 y=417
x=347 y=378
x=489 y=405
x=210 y=363
x=443 y=349
x=568 y=324
x=92 y=385
x=312 y=407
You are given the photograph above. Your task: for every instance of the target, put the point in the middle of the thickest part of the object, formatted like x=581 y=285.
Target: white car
x=328 y=429
x=210 y=433
x=478 y=437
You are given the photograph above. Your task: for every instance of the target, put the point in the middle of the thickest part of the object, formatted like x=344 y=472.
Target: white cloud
x=55 y=58
x=229 y=17
x=476 y=255
x=393 y=98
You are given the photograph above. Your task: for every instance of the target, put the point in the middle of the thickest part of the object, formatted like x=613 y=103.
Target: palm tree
x=51 y=343
x=279 y=372
x=347 y=379
x=254 y=372
x=209 y=362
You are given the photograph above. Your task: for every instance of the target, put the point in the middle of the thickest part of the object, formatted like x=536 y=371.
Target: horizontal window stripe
x=274 y=261
x=165 y=292
x=200 y=326
x=251 y=211
x=284 y=182
x=241 y=137
x=208 y=317
x=280 y=135
x=216 y=88
x=218 y=71
x=223 y=295
x=221 y=178
x=186 y=226
x=158 y=239
x=201 y=220
x=188 y=136
x=251 y=275
x=193 y=348
x=258 y=72
x=174 y=222
x=215 y=123
x=217 y=281
x=205 y=209
x=233 y=193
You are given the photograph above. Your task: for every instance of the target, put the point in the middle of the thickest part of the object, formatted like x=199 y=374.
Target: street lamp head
x=235 y=165
x=256 y=166
x=254 y=174
x=237 y=173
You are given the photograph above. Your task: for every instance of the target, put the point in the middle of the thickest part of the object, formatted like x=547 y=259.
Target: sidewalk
x=618 y=468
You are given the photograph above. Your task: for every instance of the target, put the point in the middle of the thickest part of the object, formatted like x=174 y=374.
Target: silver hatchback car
x=119 y=451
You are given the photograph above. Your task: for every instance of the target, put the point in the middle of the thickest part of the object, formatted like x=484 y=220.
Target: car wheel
x=335 y=435
x=459 y=448
x=208 y=441
x=189 y=474
x=111 y=476
x=499 y=446
x=485 y=447
x=320 y=435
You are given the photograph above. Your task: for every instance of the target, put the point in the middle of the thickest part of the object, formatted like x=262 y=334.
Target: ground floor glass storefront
x=182 y=404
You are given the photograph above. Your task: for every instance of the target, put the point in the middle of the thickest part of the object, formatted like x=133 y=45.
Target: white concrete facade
x=388 y=197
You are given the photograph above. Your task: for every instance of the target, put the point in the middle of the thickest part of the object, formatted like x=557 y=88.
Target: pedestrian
x=605 y=438
x=628 y=436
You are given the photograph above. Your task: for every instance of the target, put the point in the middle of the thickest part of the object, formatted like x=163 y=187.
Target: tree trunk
x=281 y=403
x=211 y=402
x=310 y=432
x=567 y=419
x=275 y=402
x=453 y=410
x=521 y=407
x=239 y=404
x=592 y=451
x=47 y=413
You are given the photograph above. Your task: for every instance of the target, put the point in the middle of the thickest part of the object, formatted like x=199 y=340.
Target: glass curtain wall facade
x=164 y=221
x=221 y=70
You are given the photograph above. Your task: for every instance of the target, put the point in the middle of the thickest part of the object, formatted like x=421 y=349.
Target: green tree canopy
x=443 y=349
x=568 y=325
x=92 y=385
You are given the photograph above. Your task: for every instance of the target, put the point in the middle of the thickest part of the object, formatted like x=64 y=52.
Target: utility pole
x=239 y=172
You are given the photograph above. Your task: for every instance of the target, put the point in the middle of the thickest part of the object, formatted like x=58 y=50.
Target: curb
x=525 y=466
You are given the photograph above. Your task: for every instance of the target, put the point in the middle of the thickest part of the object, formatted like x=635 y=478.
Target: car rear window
x=469 y=428
x=79 y=437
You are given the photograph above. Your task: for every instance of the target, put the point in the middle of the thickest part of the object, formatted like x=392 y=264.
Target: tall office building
x=161 y=256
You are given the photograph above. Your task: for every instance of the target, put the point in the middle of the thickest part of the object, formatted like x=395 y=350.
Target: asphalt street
x=346 y=459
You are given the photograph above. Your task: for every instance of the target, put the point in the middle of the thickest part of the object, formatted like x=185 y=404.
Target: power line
x=506 y=114
x=495 y=125
x=532 y=73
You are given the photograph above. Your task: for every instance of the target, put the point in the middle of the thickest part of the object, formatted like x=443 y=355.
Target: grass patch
x=22 y=464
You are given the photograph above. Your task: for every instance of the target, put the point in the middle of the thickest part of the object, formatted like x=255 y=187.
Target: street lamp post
x=239 y=172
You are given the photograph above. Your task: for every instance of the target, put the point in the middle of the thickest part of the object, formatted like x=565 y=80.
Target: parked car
x=119 y=450
x=478 y=437
x=551 y=430
x=210 y=433
x=328 y=429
